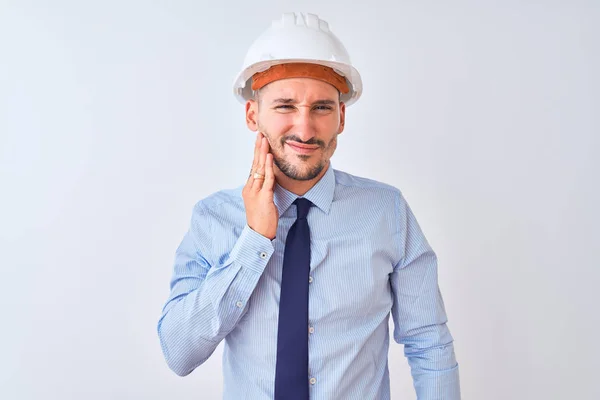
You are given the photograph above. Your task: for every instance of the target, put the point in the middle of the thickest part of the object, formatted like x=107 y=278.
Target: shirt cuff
x=252 y=250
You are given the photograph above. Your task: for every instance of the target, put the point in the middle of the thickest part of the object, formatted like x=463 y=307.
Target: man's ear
x=342 y=117
x=251 y=114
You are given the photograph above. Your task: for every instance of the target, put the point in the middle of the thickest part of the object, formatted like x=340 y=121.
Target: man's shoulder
x=224 y=198
x=346 y=179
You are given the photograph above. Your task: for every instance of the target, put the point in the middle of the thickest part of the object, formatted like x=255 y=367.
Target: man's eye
x=288 y=107
x=321 y=108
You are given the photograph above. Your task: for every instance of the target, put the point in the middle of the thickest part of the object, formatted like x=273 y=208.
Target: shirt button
x=239 y=304
x=313 y=381
x=263 y=255
x=311 y=329
x=310 y=279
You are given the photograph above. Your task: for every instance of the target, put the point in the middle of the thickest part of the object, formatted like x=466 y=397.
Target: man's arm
x=419 y=314
x=207 y=300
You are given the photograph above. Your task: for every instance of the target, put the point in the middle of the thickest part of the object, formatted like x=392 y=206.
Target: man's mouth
x=302 y=148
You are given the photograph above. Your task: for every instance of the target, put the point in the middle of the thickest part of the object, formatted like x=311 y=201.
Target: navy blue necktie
x=291 y=370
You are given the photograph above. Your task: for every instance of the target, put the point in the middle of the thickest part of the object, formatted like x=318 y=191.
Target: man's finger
x=269 y=174
x=258 y=182
x=257 y=143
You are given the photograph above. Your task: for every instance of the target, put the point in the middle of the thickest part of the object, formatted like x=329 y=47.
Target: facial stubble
x=289 y=169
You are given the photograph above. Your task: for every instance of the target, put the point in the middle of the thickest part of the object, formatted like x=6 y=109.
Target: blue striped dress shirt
x=369 y=259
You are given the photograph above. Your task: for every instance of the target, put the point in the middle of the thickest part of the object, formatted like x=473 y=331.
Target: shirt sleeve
x=419 y=314
x=208 y=299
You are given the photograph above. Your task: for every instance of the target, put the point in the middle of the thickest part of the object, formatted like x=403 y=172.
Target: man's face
x=301 y=118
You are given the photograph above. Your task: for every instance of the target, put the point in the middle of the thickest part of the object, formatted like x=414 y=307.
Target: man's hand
x=261 y=213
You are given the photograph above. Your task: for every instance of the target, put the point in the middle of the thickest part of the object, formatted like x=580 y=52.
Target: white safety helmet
x=297 y=37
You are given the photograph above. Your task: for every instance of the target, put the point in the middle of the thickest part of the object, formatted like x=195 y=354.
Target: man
x=299 y=270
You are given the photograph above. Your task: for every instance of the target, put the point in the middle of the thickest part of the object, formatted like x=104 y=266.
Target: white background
x=117 y=116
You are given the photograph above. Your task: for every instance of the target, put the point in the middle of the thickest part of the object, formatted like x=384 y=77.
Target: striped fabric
x=369 y=260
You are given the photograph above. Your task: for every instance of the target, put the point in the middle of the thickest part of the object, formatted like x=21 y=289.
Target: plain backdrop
x=116 y=117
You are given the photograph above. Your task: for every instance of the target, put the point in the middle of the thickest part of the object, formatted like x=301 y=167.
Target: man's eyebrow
x=323 y=102
x=284 y=101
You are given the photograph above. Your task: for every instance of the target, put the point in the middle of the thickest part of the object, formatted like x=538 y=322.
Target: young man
x=299 y=269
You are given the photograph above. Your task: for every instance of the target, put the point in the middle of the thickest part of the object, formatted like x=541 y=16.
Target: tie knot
x=302 y=205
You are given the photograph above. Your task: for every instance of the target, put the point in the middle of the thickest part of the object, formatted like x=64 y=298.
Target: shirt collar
x=321 y=194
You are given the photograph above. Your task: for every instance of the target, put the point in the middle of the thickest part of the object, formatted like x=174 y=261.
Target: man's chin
x=302 y=173
x=298 y=169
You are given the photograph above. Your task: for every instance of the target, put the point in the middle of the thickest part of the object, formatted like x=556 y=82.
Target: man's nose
x=304 y=124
